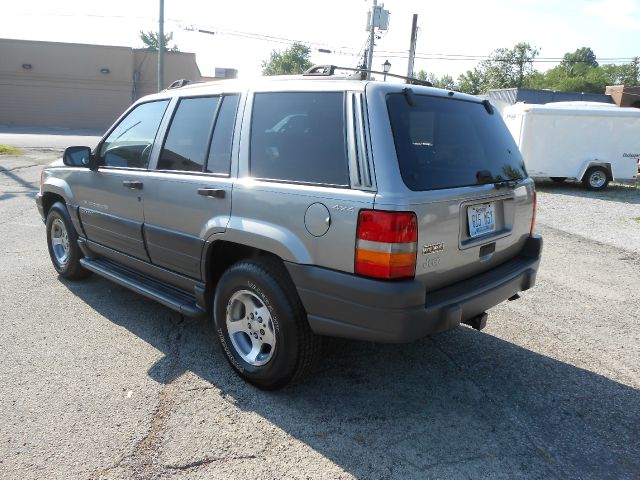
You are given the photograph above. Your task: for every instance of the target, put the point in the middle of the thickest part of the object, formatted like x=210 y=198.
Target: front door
x=111 y=199
x=188 y=194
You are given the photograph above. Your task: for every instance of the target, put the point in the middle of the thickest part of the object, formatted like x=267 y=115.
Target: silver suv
x=294 y=208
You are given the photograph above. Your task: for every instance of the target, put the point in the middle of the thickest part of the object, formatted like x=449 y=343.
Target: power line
x=336 y=50
x=259 y=36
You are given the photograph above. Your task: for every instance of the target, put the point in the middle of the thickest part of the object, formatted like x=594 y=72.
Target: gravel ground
x=611 y=216
x=98 y=382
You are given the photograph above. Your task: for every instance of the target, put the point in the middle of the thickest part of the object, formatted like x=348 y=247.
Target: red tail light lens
x=386 y=244
x=533 y=217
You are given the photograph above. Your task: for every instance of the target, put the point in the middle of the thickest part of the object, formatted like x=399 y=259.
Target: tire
x=596 y=179
x=62 y=241
x=262 y=326
x=558 y=179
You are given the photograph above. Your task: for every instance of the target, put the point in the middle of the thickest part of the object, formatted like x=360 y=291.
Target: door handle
x=212 y=192
x=132 y=184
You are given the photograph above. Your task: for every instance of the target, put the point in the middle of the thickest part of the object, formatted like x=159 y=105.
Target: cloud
x=622 y=14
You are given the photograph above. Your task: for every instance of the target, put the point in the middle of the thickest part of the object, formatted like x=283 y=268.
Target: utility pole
x=161 y=48
x=372 y=39
x=412 y=45
x=378 y=18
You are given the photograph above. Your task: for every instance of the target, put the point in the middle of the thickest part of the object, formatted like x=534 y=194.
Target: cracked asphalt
x=97 y=382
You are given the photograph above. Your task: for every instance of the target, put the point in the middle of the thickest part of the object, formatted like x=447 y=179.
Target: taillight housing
x=386 y=244
x=533 y=217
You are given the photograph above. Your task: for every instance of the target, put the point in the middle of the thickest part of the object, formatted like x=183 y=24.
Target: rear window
x=447 y=143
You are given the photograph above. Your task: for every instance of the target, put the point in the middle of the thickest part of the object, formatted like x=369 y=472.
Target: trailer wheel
x=558 y=179
x=596 y=179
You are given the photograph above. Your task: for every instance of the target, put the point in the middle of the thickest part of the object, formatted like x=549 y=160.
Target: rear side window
x=447 y=143
x=129 y=144
x=185 y=147
x=299 y=137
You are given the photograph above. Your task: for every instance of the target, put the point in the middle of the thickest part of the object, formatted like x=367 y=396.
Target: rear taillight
x=386 y=244
x=533 y=217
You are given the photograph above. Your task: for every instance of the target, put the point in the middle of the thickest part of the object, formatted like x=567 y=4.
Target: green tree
x=583 y=55
x=579 y=71
x=151 y=41
x=504 y=68
x=626 y=74
x=293 y=60
x=446 y=81
x=472 y=82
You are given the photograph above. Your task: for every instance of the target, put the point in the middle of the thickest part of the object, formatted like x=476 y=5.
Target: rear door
x=464 y=177
x=188 y=193
x=300 y=189
x=111 y=199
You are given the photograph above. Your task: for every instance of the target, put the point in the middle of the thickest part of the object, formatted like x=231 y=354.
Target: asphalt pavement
x=45 y=137
x=98 y=382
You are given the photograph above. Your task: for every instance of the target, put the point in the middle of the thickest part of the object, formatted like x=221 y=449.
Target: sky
x=453 y=36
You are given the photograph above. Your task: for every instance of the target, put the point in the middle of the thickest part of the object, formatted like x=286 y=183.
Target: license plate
x=482 y=219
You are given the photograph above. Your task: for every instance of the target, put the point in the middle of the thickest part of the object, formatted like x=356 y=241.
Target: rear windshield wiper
x=485 y=177
x=507 y=183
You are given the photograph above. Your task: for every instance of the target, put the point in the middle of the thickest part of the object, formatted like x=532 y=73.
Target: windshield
x=446 y=143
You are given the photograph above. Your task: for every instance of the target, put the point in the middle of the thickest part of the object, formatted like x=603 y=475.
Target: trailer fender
x=594 y=163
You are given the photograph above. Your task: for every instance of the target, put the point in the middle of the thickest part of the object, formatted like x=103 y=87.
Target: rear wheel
x=262 y=326
x=558 y=179
x=62 y=240
x=596 y=179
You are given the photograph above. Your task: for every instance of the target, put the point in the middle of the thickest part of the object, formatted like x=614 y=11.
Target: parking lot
x=98 y=382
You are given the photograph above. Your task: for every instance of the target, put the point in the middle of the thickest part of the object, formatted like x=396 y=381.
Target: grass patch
x=9 y=150
x=637 y=219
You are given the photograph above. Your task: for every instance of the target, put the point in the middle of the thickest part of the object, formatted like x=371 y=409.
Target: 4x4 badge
x=433 y=248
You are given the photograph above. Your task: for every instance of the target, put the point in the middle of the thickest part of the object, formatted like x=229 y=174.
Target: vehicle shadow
x=624 y=193
x=18 y=179
x=463 y=404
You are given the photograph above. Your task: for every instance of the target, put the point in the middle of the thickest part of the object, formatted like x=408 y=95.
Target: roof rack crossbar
x=181 y=83
x=328 y=70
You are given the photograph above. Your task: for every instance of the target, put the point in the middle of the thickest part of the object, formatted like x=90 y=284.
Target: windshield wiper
x=507 y=183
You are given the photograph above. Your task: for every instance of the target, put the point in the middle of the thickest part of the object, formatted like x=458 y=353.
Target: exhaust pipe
x=478 y=322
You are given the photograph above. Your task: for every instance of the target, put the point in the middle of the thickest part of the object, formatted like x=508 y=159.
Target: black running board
x=167 y=295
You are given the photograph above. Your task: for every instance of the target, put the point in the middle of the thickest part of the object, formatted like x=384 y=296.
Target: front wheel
x=262 y=326
x=62 y=240
x=596 y=179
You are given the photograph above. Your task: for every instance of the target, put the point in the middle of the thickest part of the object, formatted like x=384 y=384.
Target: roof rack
x=328 y=70
x=181 y=83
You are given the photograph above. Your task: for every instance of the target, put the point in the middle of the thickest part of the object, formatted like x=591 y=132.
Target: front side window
x=299 y=137
x=185 y=147
x=129 y=144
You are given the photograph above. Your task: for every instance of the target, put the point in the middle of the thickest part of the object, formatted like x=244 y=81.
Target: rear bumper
x=344 y=305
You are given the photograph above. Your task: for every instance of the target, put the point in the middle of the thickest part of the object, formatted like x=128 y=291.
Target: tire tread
x=309 y=343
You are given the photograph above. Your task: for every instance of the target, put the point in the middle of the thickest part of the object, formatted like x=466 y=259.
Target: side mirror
x=80 y=157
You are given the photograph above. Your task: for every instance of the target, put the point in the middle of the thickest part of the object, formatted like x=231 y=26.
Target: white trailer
x=587 y=141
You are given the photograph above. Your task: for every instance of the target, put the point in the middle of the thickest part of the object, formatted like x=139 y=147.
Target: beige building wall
x=65 y=87
x=176 y=66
